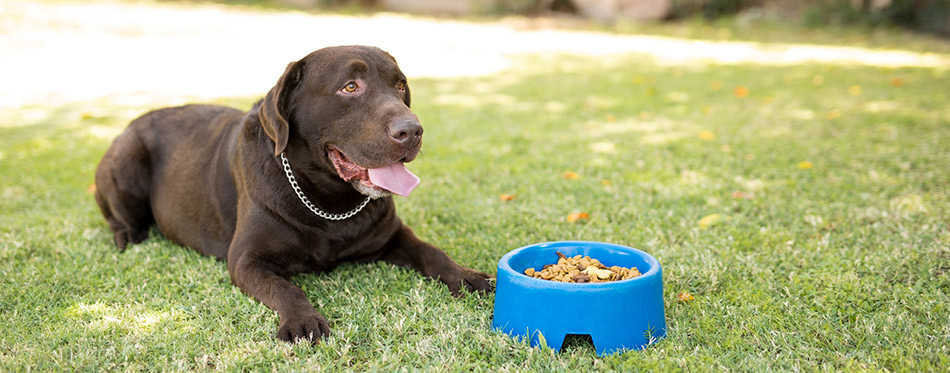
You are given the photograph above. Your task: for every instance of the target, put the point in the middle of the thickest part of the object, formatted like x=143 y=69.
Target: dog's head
x=349 y=108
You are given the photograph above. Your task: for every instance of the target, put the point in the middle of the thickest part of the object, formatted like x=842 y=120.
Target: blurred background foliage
x=930 y=16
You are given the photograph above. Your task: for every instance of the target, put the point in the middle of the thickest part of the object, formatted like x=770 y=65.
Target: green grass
x=842 y=266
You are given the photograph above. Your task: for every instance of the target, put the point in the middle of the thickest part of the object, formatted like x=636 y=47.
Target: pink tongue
x=394 y=178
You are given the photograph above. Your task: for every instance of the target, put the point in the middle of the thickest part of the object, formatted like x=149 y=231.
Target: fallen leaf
x=854 y=90
x=742 y=195
x=685 y=296
x=709 y=220
x=575 y=216
x=91 y=188
x=707 y=135
x=897 y=81
x=804 y=165
x=741 y=91
x=506 y=197
x=571 y=175
x=605 y=182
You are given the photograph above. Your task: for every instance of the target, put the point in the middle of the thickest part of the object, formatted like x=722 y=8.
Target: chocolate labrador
x=300 y=183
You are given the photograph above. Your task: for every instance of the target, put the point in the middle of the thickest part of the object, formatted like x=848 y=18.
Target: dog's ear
x=274 y=114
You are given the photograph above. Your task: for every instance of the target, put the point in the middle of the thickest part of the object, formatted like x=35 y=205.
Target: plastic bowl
x=617 y=315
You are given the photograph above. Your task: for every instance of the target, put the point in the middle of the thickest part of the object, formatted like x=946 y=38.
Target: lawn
x=803 y=207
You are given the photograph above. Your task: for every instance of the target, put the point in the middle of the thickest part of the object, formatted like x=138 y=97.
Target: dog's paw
x=124 y=237
x=310 y=327
x=469 y=280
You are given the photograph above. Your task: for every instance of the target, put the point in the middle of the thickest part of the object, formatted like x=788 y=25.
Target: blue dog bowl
x=617 y=315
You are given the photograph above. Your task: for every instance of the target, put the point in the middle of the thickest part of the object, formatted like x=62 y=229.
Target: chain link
x=306 y=201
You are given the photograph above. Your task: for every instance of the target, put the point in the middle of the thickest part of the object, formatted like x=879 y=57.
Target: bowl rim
x=505 y=265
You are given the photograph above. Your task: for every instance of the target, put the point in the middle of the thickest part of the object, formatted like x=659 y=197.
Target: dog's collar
x=306 y=201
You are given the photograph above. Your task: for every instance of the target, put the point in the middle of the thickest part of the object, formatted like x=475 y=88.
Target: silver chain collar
x=306 y=201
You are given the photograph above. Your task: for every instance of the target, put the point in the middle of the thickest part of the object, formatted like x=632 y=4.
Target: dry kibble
x=581 y=269
x=581 y=277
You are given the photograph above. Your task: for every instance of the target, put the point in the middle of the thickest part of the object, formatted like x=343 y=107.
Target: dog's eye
x=401 y=86
x=350 y=87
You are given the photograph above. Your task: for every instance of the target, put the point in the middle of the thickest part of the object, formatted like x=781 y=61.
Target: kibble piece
x=529 y=272
x=581 y=277
x=602 y=274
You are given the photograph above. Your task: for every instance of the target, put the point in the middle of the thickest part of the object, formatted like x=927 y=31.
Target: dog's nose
x=406 y=131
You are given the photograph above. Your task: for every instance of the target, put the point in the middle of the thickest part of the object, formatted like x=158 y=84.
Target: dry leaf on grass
x=506 y=197
x=684 y=296
x=575 y=216
x=741 y=91
x=709 y=220
x=742 y=195
x=571 y=175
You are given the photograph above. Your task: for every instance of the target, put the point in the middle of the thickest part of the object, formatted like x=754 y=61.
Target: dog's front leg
x=405 y=249
x=264 y=281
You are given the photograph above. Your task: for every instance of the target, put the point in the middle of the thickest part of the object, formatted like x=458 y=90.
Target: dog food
x=581 y=270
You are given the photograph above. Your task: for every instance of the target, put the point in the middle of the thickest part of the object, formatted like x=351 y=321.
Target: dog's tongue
x=395 y=178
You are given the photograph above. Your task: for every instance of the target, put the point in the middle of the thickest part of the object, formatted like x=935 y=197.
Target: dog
x=299 y=183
